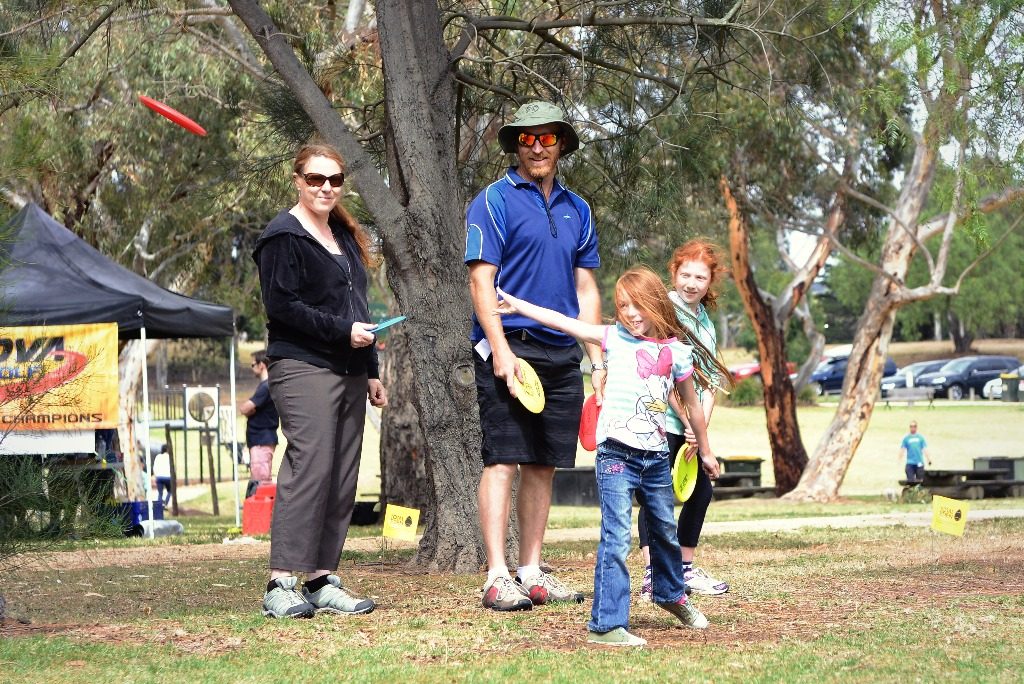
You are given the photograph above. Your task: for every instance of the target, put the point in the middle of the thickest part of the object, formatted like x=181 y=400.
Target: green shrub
x=747 y=393
x=808 y=396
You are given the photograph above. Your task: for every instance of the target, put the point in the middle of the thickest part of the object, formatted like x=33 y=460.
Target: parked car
x=959 y=376
x=743 y=371
x=830 y=373
x=993 y=389
x=899 y=379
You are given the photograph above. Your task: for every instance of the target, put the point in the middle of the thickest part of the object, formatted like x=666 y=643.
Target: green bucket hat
x=537 y=114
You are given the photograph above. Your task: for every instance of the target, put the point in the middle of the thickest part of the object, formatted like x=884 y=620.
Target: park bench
x=910 y=395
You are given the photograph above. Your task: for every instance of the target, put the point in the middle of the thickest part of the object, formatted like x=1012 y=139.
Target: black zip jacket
x=312 y=297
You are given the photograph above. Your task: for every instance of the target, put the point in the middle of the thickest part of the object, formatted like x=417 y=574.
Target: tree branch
x=370 y=185
x=986 y=206
x=253 y=68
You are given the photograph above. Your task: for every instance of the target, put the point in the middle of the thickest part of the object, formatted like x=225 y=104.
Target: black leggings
x=691 y=518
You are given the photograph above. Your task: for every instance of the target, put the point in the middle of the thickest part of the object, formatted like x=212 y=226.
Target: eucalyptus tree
x=962 y=64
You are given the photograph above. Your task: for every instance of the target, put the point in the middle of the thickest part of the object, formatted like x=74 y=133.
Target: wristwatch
x=600 y=365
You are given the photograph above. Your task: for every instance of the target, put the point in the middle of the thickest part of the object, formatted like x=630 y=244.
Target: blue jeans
x=623 y=471
x=915 y=472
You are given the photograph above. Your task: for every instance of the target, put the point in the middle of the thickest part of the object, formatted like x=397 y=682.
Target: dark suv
x=957 y=377
x=830 y=373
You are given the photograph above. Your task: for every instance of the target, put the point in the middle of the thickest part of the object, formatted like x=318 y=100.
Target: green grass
x=872 y=605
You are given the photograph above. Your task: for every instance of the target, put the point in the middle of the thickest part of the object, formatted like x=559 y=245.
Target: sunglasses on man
x=316 y=180
x=546 y=139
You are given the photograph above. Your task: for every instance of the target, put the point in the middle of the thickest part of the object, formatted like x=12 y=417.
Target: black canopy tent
x=50 y=276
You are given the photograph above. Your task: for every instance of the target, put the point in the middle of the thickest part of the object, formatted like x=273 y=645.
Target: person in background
x=162 y=474
x=915 y=449
x=261 y=426
x=313 y=261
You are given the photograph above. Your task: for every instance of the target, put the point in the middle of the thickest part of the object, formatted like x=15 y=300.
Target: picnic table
x=976 y=483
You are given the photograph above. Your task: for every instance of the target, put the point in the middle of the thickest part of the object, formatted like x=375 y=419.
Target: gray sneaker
x=337 y=600
x=545 y=588
x=616 y=637
x=687 y=613
x=285 y=602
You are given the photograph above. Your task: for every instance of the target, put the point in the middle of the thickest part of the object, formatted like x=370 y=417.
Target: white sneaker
x=700 y=582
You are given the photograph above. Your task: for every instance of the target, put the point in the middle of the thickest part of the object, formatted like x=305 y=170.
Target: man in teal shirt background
x=915 y=448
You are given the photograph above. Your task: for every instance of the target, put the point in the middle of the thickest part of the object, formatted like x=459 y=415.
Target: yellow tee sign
x=949 y=515
x=400 y=522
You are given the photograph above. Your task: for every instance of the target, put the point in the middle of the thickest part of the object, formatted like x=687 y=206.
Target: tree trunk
x=403 y=470
x=817 y=341
x=426 y=273
x=129 y=379
x=788 y=454
x=827 y=468
x=962 y=340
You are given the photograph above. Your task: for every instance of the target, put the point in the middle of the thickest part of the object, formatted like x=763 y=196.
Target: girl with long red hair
x=647 y=366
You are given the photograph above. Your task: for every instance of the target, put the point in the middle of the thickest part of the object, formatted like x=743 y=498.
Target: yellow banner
x=400 y=522
x=58 y=377
x=949 y=515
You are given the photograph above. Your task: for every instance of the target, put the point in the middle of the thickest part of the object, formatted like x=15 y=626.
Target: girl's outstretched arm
x=585 y=332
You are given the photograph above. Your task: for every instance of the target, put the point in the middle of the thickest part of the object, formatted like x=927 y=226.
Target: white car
x=993 y=389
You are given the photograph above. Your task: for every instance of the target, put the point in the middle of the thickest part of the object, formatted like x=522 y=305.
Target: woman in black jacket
x=312 y=261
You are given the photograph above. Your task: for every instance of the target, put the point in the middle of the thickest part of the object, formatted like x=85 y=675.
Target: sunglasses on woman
x=546 y=139
x=316 y=180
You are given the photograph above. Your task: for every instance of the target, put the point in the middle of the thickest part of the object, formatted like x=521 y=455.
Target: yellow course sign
x=400 y=522
x=949 y=515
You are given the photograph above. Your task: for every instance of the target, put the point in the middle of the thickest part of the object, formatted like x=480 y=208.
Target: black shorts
x=511 y=434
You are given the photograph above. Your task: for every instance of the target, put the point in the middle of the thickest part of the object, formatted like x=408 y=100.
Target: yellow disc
x=684 y=474
x=530 y=392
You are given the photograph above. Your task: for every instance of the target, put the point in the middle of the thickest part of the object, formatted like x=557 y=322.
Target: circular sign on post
x=201 y=405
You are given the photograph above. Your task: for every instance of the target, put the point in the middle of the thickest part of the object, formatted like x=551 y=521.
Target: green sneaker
x=616 y=637
x=687 y=613
x=337 y=600
x=285 y=602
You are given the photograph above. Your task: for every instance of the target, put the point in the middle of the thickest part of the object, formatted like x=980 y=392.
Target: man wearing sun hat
x=530 y=235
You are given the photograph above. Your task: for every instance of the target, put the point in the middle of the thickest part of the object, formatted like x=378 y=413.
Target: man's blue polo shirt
x=536 y=246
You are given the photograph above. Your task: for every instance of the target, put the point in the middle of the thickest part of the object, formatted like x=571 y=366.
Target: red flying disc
x=588 y=423
x=173 y=115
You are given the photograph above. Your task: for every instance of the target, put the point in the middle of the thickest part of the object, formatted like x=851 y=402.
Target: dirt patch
x=777 y=595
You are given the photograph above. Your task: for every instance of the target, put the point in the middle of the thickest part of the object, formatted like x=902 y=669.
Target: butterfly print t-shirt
x=641 y=373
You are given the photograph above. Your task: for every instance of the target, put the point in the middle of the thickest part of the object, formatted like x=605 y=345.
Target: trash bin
x=1011 y=386
x=747 y=466
x=258 y=509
